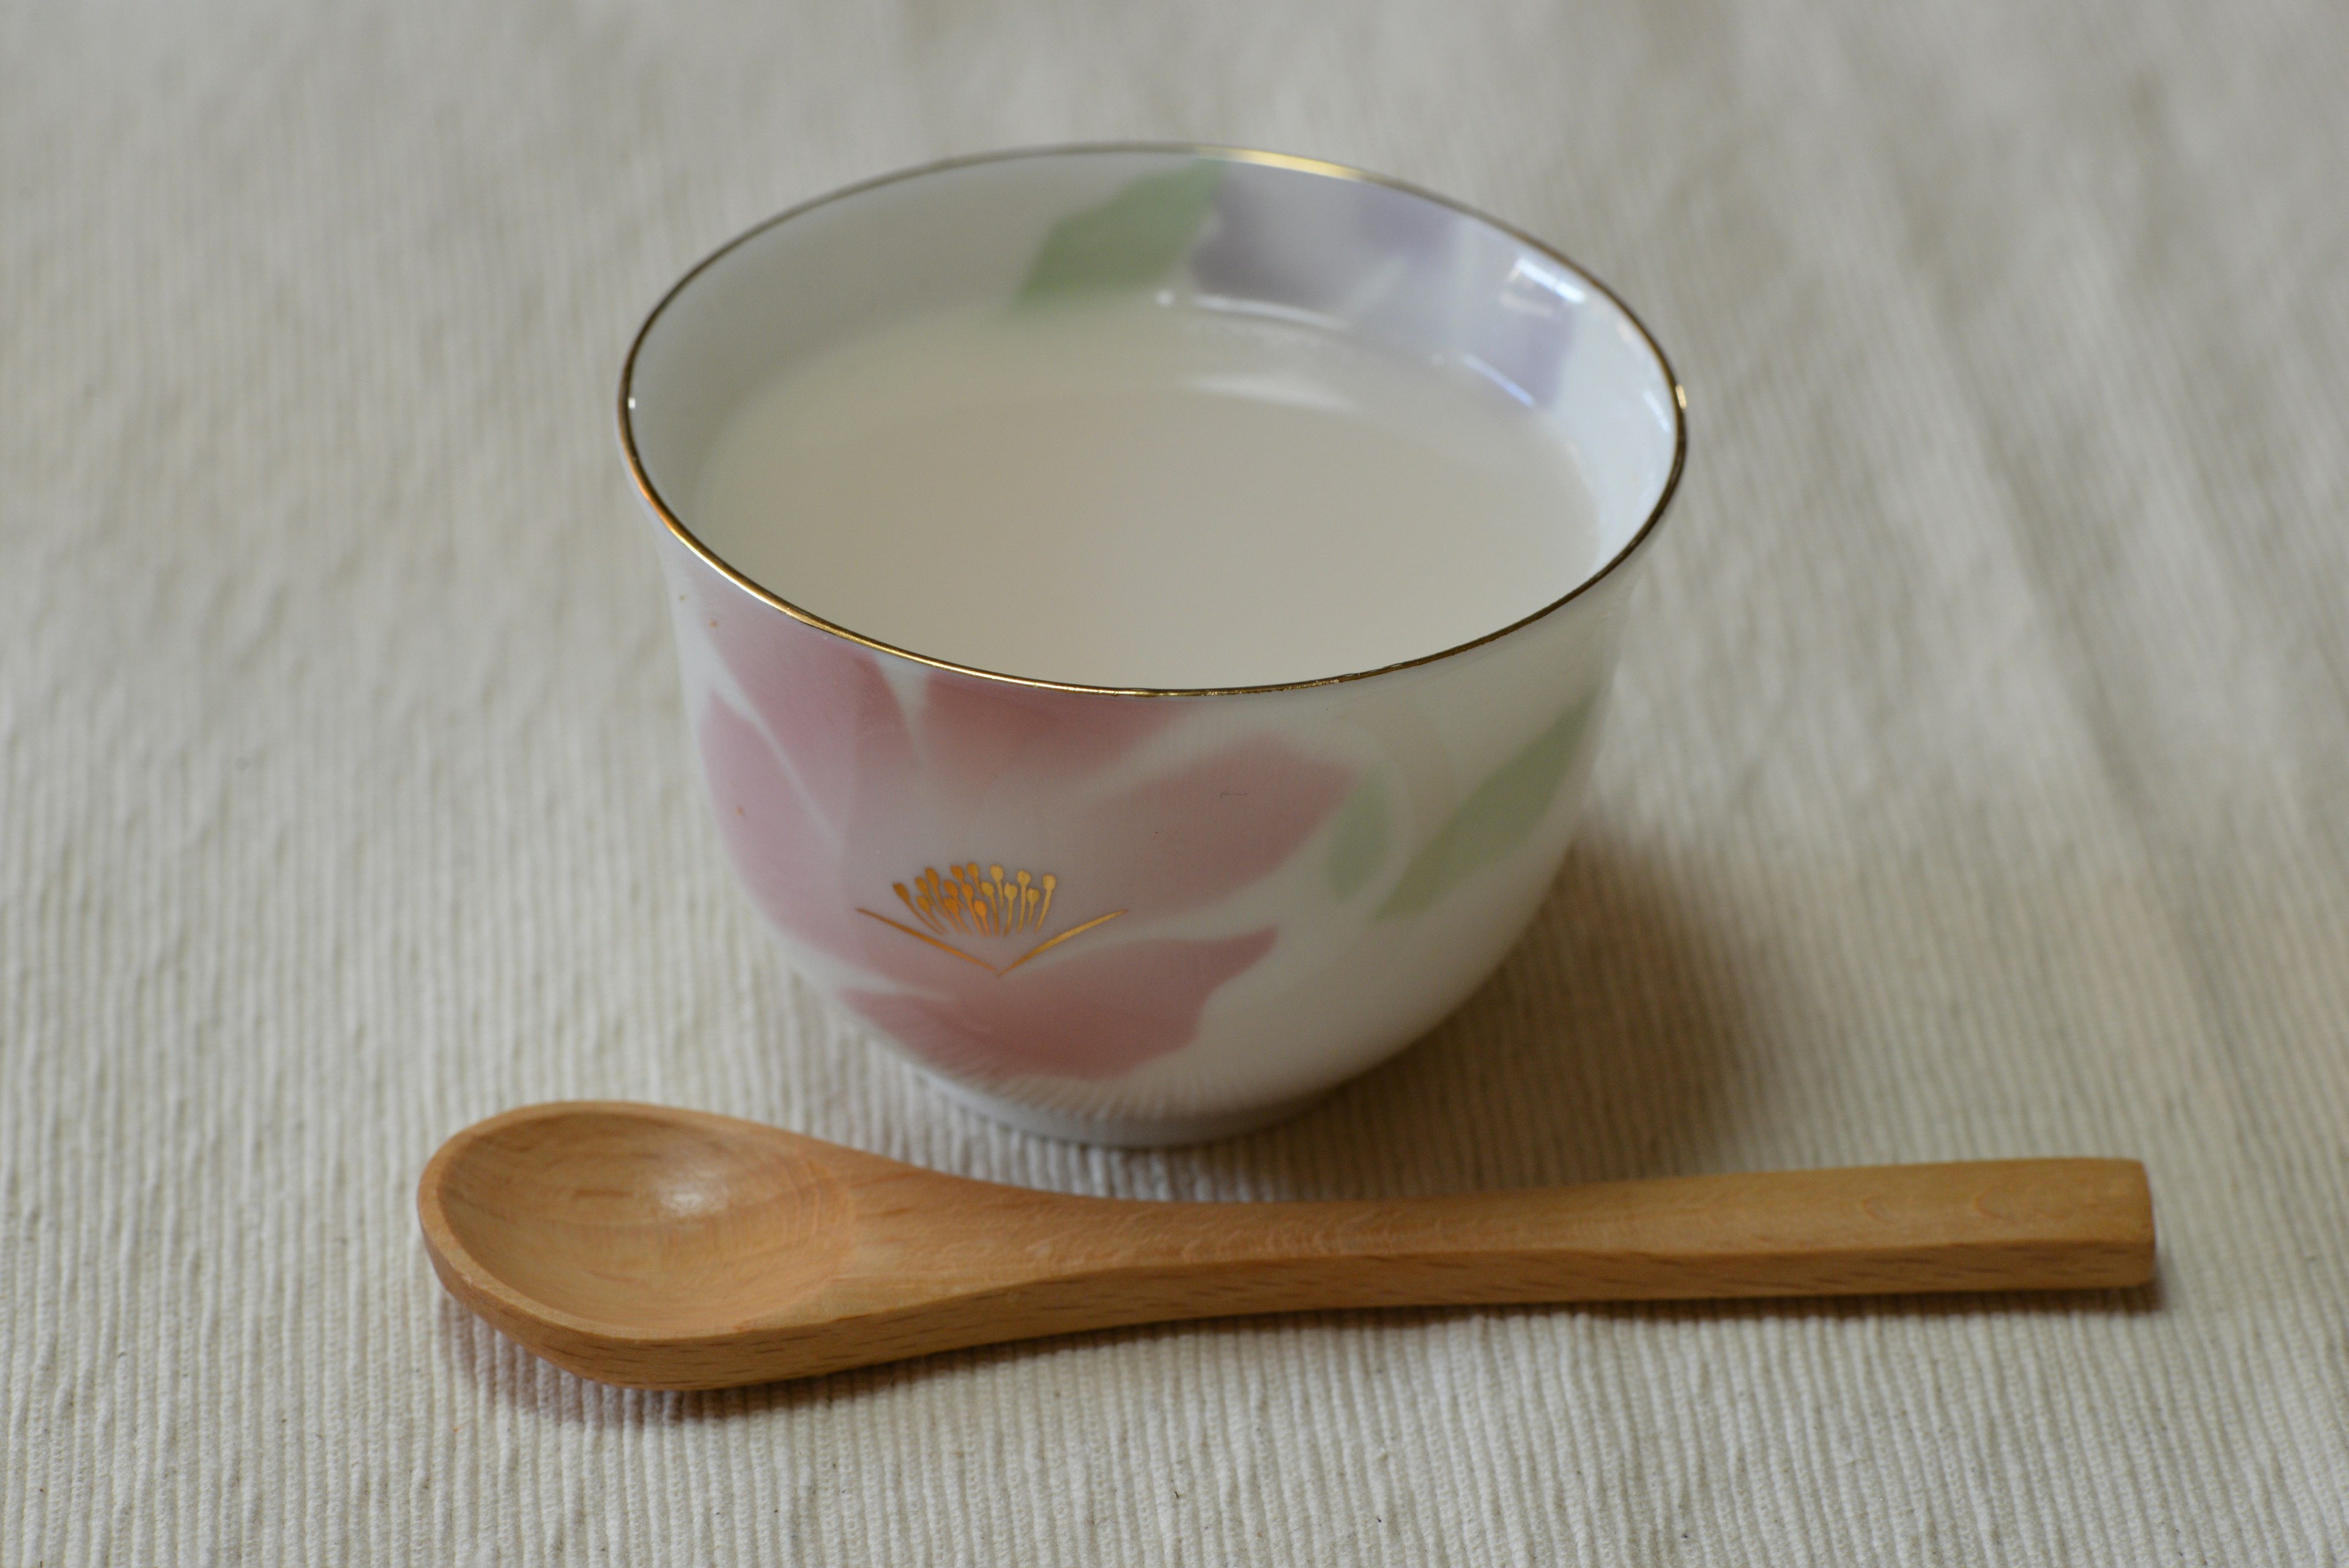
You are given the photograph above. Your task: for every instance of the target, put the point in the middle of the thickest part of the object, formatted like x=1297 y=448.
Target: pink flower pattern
x=831 y=795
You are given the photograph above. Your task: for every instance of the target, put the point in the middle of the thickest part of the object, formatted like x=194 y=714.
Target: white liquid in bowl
x=1131 y=493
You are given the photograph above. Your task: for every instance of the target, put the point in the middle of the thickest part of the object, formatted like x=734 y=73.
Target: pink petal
x=792 y=868
x=975 y=733
x=783 y=854
x=1093 y=1014
x=1190 y=837
x=824 y=699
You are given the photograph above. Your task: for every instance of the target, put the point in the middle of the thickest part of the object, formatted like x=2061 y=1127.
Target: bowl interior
x=1249 y=233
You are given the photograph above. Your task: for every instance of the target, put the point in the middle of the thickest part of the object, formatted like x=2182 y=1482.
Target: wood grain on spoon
x=672 y=1249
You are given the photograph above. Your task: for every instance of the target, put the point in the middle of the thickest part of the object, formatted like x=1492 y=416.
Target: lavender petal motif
x=1396 y=267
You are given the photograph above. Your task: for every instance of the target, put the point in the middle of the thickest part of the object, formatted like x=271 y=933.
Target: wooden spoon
x=671 y=1249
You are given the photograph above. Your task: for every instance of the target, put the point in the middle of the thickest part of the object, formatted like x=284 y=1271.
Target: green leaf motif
x=1497 y=819
x=1357 y=836
x=1128 y=241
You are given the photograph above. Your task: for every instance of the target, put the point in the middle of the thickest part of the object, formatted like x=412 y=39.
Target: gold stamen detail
x=921 y=910
x=1049 y=944
x=925 y=937
x=983 y=901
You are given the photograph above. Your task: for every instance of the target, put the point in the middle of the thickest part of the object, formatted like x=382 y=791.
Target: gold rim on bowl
x=1229 y=154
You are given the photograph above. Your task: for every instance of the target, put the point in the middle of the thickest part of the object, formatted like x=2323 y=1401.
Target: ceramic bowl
x=1147 y=916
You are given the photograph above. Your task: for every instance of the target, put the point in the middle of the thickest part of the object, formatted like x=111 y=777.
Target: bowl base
x=1116 y=1131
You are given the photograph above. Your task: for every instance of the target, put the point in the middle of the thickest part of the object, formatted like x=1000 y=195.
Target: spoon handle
x=2027 y=1224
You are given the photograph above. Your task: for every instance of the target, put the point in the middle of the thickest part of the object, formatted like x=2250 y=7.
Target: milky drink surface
x=1140 y=493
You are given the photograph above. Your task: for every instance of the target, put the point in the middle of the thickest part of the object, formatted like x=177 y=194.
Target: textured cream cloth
x=1976 y=787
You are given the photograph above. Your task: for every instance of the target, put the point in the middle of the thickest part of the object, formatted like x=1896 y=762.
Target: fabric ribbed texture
x=1974 y=787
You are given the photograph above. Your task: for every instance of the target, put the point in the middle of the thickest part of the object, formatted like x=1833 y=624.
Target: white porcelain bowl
x=1148 y=917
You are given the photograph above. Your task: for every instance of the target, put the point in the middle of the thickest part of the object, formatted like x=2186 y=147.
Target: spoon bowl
x=621 y=1216
x=660 y=1248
